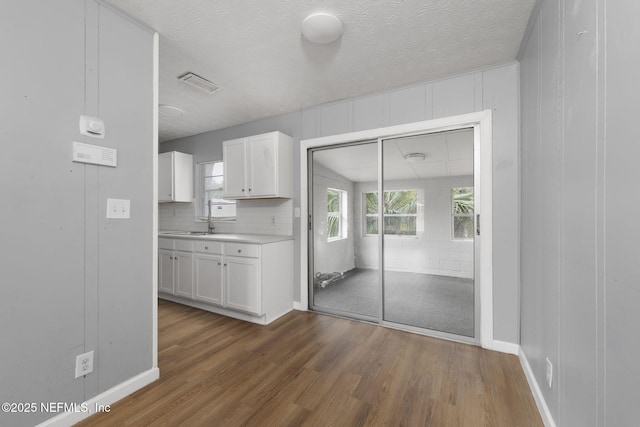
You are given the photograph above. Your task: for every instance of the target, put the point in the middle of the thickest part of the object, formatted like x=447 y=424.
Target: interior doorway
x=394 y=230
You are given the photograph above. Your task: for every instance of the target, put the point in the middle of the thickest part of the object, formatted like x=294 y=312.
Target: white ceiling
x=446 y=154
x=253 y=49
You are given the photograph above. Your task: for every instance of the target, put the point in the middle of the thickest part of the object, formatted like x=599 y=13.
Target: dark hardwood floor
x=311 y=369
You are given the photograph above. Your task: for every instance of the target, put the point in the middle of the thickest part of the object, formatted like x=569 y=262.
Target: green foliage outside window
x=462 y=207
x=400 y=209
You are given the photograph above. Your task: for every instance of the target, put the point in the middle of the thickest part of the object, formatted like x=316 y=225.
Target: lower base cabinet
x=242 y=284
x=208 y=272
x=249 y=281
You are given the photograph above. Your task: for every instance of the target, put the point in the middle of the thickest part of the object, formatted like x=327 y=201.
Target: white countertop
x=224 y=237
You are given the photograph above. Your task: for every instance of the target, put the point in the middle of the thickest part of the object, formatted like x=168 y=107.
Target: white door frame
x=482 y=123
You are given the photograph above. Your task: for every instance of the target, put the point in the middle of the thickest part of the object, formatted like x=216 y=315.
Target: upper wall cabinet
x=175 y=177
x=258 y=167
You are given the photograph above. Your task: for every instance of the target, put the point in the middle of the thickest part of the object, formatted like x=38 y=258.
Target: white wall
x=336 y=255
x=431 y=251
x=72 y=280
x=580 y=270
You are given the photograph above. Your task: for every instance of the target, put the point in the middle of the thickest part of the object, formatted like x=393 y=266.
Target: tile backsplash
x=264 y=216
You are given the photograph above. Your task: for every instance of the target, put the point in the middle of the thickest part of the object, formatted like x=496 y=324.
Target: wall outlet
x=118 y=208
x=84 y=364
x=549 y=373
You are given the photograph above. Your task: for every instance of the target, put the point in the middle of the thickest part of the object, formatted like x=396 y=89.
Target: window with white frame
x=462 y=213
x=211 y=187
x=400 y=212
x=336 y=214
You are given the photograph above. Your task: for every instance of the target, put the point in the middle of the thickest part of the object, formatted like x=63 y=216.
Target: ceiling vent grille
x=198 y=82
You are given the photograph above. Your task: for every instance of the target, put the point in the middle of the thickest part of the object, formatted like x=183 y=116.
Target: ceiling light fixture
x=170 y=111
x=414 y=157
x=321 y=28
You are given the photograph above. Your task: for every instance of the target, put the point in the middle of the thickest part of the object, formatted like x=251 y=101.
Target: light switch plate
x=118 y=208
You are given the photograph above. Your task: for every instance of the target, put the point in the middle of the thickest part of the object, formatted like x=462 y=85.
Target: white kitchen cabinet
x=183 y=273
x=175 y=268
x=208 y=277
x=175 y=177
x=259 y=166
x=166 y=271
x=248 y=281
x=242 y=284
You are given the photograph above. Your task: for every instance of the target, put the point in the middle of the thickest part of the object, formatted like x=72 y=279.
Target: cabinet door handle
x=225 y=264
x=206 y=247
x=243 y=190
x=218 y=263
x=249 y=189
x=239 y=250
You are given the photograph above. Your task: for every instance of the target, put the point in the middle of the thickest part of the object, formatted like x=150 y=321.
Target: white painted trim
x=300 y=307
x=545 y=413
x=103 y=399
x=482 y=122
x=504 y=347
x=154 y=221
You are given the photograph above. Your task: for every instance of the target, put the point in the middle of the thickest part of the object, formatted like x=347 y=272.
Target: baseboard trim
x=299 y=306
x=545 y=413
x=503 y=347
x=107 y=398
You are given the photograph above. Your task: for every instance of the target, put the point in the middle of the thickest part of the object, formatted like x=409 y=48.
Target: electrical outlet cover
x=84 y=364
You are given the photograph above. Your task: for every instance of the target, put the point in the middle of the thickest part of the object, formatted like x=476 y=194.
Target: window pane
x=400 y=225
x=463 y=227
x=371 y=202
x=372 y=225
x=400 y=202
x=333 y=201
x=213 y=183
x=462 y=200
x=213 y=168
x=333 y=226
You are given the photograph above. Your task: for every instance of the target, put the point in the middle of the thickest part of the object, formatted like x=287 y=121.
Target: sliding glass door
x=344 y=262
x=427 y=209
x=392 y=232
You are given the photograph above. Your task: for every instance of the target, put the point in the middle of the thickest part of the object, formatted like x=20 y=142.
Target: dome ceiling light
x=170 y=110
x=321 y=28
x=414 y=157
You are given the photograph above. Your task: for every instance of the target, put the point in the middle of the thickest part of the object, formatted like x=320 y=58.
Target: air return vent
x=198 y=82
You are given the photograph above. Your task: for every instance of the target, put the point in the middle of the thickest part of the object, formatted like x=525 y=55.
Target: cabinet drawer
x=183 y=245
x=207 y=247
x=242 y=249
x=165 y=244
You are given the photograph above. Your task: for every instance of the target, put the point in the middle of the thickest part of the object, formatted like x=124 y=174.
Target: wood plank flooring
x=308 y=369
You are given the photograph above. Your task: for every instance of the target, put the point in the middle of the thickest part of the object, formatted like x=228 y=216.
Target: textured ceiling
x=446 y=154
x=253 y=49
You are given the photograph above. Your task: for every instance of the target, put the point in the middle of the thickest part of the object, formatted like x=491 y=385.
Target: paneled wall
x=580 y=287
x=494 y=88
x=72 y=280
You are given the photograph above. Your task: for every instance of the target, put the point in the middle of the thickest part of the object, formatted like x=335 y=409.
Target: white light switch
x=118 y=208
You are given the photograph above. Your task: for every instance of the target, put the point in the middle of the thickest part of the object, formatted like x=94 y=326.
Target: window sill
x=336 y=239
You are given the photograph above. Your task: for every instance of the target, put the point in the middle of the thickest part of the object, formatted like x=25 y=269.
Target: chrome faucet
x=210 y=226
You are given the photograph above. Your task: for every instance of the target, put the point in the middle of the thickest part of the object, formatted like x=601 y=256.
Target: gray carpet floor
x=439 y=303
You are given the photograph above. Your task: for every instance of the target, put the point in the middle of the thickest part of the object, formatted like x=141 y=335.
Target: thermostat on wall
x=95 y=154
